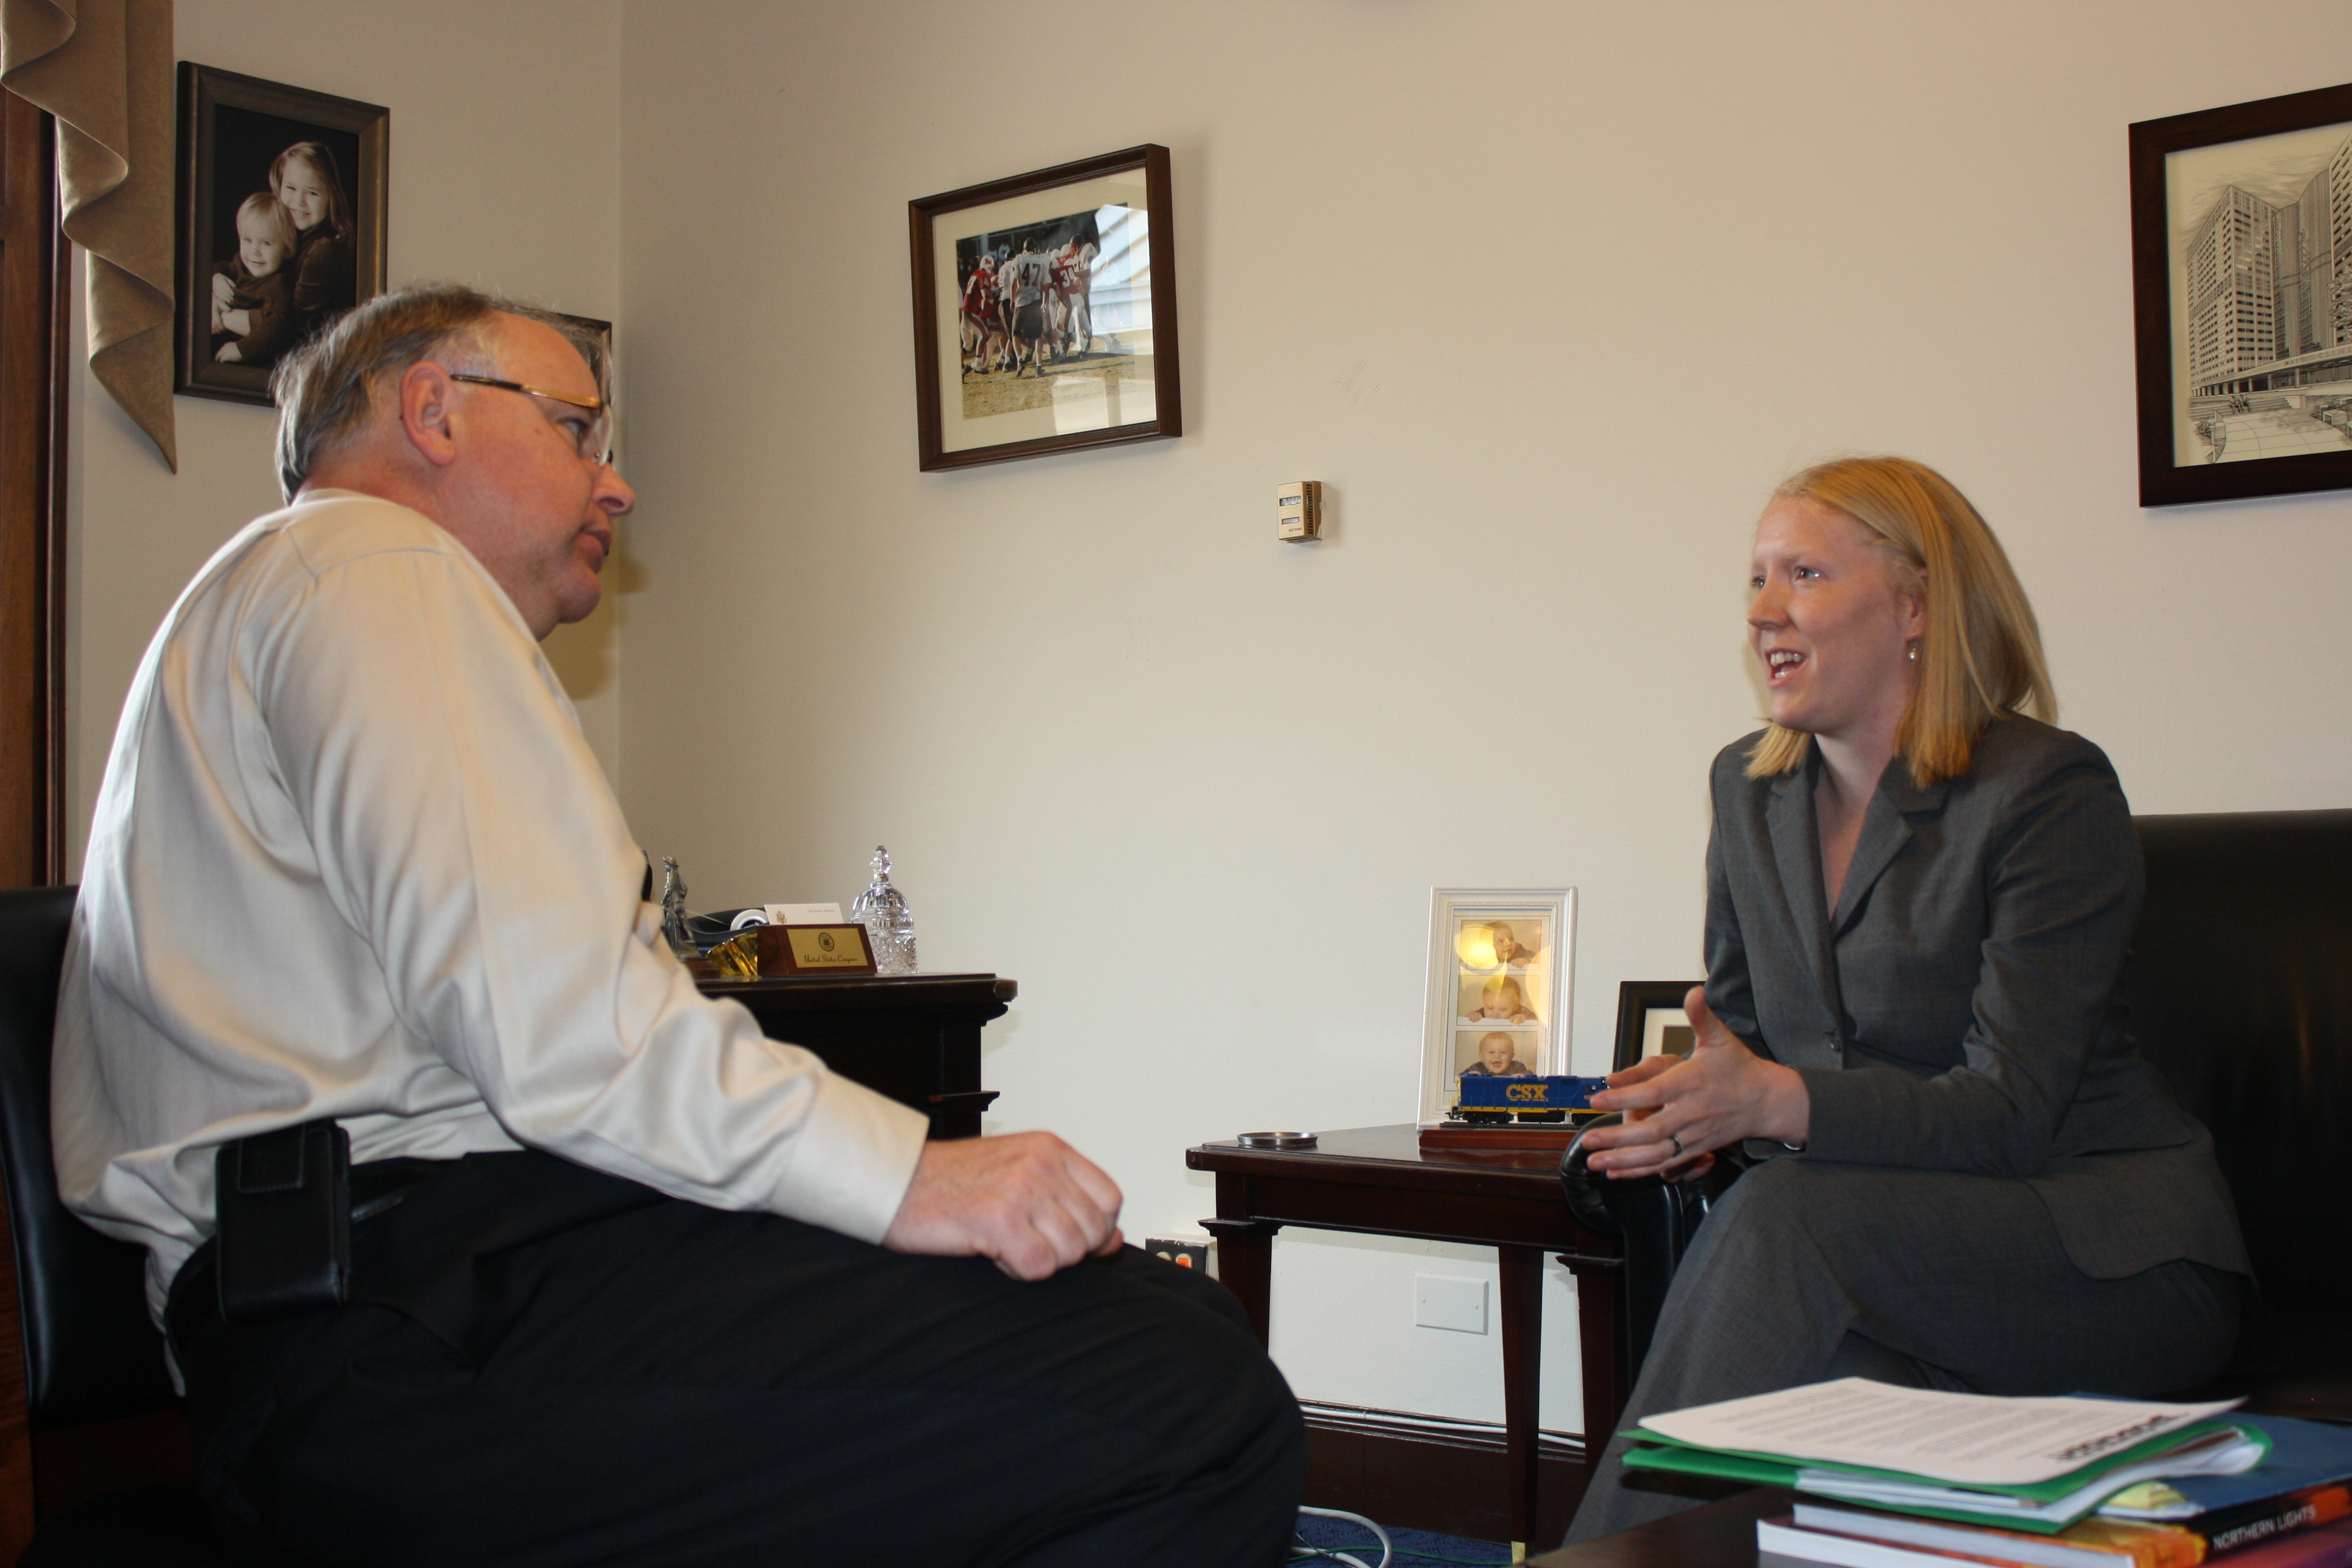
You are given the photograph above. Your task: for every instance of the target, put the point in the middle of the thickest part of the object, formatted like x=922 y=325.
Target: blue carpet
x=1414 y=1548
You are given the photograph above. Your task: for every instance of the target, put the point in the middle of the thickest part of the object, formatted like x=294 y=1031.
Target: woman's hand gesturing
x=1678 y=1109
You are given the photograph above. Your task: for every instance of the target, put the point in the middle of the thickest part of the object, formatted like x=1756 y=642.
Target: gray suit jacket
x=1956 y=1011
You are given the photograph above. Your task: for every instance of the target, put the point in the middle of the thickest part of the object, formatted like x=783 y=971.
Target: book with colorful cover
x=2303 y=1455
x=2092 y=1542
x=2108 y=1542
x=2249 y=1524
x=1780 y=1544
x=1901 y=1541
x=2326 y=1546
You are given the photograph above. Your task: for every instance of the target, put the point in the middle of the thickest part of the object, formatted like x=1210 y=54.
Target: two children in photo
x=294 y=268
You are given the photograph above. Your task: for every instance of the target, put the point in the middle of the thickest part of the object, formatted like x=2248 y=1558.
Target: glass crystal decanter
x=673 y=905
x=882 y=910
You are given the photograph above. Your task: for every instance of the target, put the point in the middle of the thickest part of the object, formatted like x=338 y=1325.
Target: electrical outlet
x=1442 y=1302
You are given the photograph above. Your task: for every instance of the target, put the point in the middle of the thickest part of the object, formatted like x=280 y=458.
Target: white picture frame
x=1476 y=992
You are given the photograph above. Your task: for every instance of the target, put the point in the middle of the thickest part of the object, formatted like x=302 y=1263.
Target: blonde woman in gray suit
x=1919 y=894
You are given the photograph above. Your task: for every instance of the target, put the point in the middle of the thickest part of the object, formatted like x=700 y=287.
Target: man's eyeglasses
x=593 y=434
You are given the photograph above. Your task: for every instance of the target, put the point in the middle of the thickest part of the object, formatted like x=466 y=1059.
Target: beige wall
x=503 y=151
x=1547 y=295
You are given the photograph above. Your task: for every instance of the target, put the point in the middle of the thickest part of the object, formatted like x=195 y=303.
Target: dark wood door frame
x=33 y=361
x=35 y=260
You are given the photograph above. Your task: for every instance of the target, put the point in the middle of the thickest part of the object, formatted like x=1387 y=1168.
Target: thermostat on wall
x=1298 y=510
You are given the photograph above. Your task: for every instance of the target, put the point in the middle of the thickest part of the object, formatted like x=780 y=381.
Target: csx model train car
x=1488 y=1100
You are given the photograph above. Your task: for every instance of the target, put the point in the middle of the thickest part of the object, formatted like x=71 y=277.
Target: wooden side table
x=1378 y=1181
x=915 y=1037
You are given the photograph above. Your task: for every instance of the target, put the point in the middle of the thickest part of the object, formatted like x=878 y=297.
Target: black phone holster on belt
x=283 y=1208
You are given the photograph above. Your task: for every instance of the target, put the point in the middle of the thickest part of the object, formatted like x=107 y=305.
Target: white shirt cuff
x=852 y=1160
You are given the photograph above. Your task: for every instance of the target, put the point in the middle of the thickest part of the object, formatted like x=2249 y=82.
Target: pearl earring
x=1915 y=653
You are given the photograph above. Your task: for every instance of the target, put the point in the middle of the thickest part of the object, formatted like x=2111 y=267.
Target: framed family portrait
x=281 y=224
x=2241 y=282
x=1499 y=973
x=1046 y=312
x=1651 y=1021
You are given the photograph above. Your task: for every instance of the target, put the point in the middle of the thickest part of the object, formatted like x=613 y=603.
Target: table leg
x=1522 y=1291
x=1245 y=1263
x=1600 y=1335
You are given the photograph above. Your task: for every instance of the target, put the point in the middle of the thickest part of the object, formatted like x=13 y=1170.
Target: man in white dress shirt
x=628 y=1280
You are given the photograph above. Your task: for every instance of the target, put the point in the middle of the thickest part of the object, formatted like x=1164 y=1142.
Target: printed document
x=1975 y=1439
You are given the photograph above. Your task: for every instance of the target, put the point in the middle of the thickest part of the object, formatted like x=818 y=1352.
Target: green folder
x=2076 y=1488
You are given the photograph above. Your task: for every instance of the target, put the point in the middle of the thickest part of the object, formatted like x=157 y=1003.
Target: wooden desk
x=1376 y=1180
x=915 y=1037
x=1719 y=1535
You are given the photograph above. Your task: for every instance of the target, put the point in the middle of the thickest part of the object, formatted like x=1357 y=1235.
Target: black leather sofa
x=2240 y=986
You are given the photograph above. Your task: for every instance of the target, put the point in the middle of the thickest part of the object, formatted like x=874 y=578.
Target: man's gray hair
x=327 y=389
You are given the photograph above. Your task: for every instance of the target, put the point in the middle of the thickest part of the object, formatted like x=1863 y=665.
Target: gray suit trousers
x=1931 y=1278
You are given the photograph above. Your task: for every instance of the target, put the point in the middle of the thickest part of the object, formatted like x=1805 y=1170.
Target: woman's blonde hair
x=1980 y=656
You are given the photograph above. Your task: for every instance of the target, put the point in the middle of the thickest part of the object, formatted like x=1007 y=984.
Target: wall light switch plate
x=1442 y=1302
x=1298 y=511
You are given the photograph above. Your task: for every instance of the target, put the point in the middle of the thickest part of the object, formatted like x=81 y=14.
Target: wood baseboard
x=1422 y=1473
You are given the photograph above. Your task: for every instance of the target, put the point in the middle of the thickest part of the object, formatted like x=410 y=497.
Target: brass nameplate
x=814 y=950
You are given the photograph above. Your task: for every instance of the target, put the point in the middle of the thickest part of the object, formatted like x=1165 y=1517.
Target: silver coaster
x=1276 y=1139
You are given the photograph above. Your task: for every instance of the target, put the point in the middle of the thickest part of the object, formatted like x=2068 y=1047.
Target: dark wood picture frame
x=924 y=215
x=364 y=131
x=1636 y=1000
x=2163 y=480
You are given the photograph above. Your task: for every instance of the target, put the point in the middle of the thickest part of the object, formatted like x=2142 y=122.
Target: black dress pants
x=653 y=1382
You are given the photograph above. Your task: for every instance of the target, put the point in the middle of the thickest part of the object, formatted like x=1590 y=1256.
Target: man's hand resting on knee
x=1026 y=1200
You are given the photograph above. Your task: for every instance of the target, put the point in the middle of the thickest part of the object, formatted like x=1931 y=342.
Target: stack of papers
x=1922 y=1479
x=2061 y=1500
x=2035 y=1464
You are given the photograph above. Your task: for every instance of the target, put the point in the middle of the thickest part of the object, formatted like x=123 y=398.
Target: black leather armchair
x=2239 y=985
x=91 y=1353
x=1657 y=1220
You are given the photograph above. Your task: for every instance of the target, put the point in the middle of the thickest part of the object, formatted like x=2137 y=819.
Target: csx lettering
x=1533 y=1093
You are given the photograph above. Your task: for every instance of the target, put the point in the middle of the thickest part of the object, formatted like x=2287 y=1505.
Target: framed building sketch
x=1499 y=970
x=2242 y=283
x=1046 y=312
x=592 y=336
x=596 y=340
x=1651 y=1021
x=281 y=224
